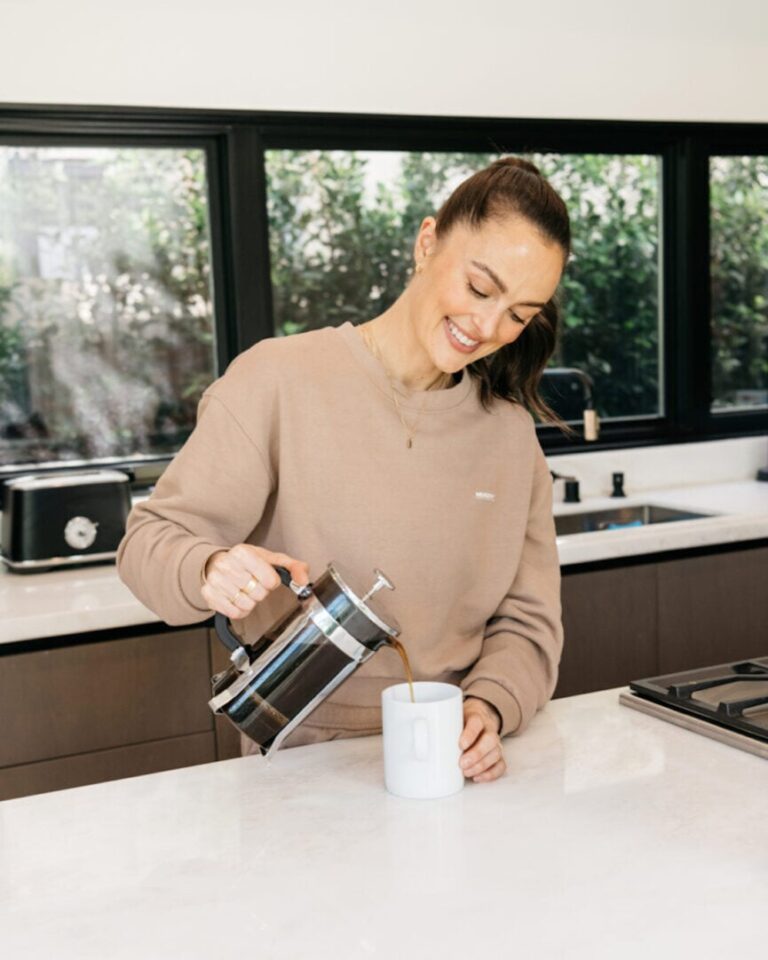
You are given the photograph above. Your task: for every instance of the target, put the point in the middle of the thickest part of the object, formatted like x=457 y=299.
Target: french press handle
x=230 y=640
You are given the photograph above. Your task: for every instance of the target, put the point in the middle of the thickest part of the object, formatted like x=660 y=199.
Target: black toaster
x=51 y=521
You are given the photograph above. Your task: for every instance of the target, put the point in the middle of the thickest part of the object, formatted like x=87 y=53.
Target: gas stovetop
x=728 y=702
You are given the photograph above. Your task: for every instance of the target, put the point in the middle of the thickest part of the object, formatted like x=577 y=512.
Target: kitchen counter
x=739 y=512
x=94 y=598
x=613 y=834
x=66 y=601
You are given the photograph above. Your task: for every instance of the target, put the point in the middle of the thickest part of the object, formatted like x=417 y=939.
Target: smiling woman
x=433 y=472
x=492 y=259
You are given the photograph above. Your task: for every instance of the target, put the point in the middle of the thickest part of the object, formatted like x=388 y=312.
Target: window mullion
x=687 y=301
x=249 y=237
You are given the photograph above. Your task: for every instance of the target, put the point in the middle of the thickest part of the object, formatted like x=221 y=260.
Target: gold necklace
x=410 y=431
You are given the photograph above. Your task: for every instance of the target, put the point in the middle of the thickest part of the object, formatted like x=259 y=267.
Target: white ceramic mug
x=421 y=739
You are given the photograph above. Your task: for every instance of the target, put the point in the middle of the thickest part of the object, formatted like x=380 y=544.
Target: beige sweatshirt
x=298 y=448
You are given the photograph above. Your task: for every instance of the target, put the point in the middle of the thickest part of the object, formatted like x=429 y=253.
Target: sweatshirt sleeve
x=209 y=498
x=517 y=669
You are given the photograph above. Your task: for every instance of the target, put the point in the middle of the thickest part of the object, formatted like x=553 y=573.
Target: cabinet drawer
x=609 y=620
x=713 y=609
x=114 y=764
x=96 y=696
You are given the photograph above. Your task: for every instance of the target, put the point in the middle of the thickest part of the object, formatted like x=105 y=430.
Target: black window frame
x=235 y=142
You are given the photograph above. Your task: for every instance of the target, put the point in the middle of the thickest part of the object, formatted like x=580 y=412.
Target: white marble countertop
x=613 y=834
x=94 y=598
x=66 y=601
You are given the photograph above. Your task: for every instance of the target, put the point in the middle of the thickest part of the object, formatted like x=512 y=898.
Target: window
x=114 y=224
x=739 y=282
x=106 y=314
x=342 y=226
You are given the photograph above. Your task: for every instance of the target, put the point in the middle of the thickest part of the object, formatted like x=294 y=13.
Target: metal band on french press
x=338 y=636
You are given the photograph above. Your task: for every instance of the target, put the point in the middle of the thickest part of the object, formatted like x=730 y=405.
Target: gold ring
x=232 y=599
x=250 y=585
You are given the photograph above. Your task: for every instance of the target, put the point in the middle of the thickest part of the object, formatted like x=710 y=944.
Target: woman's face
x=478 y=288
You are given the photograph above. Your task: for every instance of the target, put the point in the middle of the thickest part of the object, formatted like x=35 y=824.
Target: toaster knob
x=80 y=532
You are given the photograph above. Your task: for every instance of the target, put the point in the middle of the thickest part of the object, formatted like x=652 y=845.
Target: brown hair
x=513 y=186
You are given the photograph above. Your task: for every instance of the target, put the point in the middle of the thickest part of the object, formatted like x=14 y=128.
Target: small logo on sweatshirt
x=484 y=495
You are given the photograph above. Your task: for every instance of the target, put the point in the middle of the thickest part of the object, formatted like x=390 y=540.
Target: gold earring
x=419 y=267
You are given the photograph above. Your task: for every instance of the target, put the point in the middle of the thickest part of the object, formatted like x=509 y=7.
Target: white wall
x=666 y=465
x=644 y=59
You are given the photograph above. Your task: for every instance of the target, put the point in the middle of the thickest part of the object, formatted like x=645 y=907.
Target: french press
x=276 y=682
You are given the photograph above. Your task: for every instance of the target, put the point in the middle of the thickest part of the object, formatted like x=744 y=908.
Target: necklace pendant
x=409 y=443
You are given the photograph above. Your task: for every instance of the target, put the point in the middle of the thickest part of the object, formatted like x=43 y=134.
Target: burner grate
x=688 y=693
x=736 y=708
x=730 y=708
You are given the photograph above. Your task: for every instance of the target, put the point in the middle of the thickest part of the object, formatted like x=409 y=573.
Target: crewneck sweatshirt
x=299 y=448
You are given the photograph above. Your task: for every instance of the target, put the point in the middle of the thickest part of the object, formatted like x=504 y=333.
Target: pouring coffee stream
x=277 y=681
x=406 y=664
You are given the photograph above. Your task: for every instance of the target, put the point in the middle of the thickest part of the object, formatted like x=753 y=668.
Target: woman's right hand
x=235 y=580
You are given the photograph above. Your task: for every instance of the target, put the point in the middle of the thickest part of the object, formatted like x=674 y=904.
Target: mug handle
x=420 y=729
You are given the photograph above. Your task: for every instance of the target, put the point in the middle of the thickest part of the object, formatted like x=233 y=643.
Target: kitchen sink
x=638 y=515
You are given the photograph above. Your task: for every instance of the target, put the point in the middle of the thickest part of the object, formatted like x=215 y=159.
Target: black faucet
x=571 y=487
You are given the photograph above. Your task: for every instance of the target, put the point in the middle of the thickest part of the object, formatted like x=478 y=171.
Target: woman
x=405 y=444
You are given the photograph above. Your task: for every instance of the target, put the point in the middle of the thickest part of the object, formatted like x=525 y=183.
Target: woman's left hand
x=482 y=758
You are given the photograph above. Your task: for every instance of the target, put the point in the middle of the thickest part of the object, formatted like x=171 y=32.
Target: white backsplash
x=670 y=465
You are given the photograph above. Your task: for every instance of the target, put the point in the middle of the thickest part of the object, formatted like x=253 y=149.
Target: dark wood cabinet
x=609 y=622
x=84 y=768
x=86 y=709
x=713 y=609
x=662 y=615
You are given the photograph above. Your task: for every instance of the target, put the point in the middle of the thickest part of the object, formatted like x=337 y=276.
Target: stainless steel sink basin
x=638 y=515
